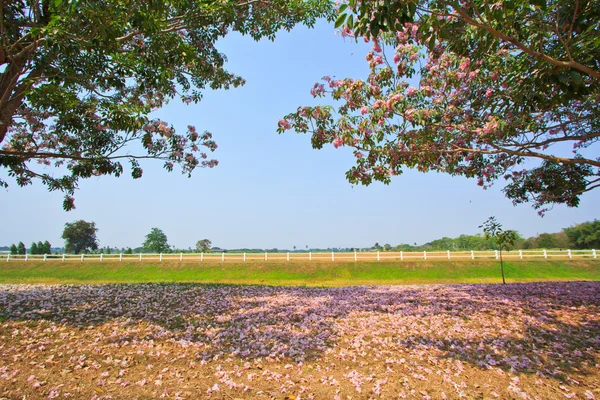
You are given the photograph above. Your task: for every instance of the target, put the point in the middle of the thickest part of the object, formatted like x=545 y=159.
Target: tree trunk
x=502 y=268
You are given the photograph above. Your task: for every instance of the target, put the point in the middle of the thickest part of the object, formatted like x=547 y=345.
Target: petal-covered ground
x=538 y=341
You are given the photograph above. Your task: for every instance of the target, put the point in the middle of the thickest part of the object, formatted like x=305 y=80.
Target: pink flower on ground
x=337 y=142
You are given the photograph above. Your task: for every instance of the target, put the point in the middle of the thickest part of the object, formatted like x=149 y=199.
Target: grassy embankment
x=299 y=273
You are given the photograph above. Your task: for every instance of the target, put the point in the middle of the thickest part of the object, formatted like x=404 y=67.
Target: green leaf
x=412 y=8
x=340 y=20
x=576 y=78
x=343 y=8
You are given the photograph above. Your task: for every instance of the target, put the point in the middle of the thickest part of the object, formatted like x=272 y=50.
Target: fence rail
x=310 y=256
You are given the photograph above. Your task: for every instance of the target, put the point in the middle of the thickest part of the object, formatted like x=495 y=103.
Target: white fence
x=310 y=256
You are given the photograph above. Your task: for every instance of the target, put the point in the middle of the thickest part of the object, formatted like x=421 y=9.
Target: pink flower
x=465 y=64
x=396 y=58
x=377 y=47
x=488 y=93
x=337 y=142
x=364 y=110
x=284 y=124
x=411 y=91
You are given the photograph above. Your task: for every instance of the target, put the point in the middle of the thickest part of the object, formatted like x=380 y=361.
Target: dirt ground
x=190 y=341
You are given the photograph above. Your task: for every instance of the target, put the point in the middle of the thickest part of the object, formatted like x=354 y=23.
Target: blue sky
x=273 y=190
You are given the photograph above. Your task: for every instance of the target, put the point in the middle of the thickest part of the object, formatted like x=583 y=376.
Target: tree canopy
x=156 y=241
x=507 y=90
x=585 y=235
x=203 y=245
x=80 y=236
x=78 y=80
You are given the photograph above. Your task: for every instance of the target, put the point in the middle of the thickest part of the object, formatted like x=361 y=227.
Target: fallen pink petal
x=187 y=341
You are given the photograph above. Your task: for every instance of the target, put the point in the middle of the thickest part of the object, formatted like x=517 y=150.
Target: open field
x=313 y=273
x=521 y=341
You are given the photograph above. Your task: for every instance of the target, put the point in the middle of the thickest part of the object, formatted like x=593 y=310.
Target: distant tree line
x=581 y=236
x=36 y=248
x=80 y=237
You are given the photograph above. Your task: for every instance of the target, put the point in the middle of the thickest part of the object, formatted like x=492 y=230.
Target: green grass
x=298 y=273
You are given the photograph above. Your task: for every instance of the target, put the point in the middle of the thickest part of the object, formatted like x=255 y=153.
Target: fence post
x=120 y=256
x=101 y=254
x=266 y=256
x=244 y=256
x=140 y=256
x=222 y=256
x=569 y=252
x=354 y=255
x=472 y=255
x=288 y=256
x=63 y=257
x=377 y=255
x=82 y=255
x=545 y=254
x=180 y=256
x=310 y=256
x=521 y=254
x=8 y=257
x=496 y=254
x=401 y=255
x=424 y=255
x=26 y=257
x=593 y=253
x=45 y=257
x=448 y=254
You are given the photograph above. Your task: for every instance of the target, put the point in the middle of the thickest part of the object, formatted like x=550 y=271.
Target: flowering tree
x=78 y=80
x=484 y=90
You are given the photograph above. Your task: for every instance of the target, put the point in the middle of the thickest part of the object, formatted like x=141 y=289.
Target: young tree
x=47 y=247
x=80 y=236
x=128 y=251
x=156 y=241
x=34 y=248
x=40 y=247
x=13 y=250
x=497 y=85
x=203 y=245
x=503 y=238
x=21 y=250
x=79 y=79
